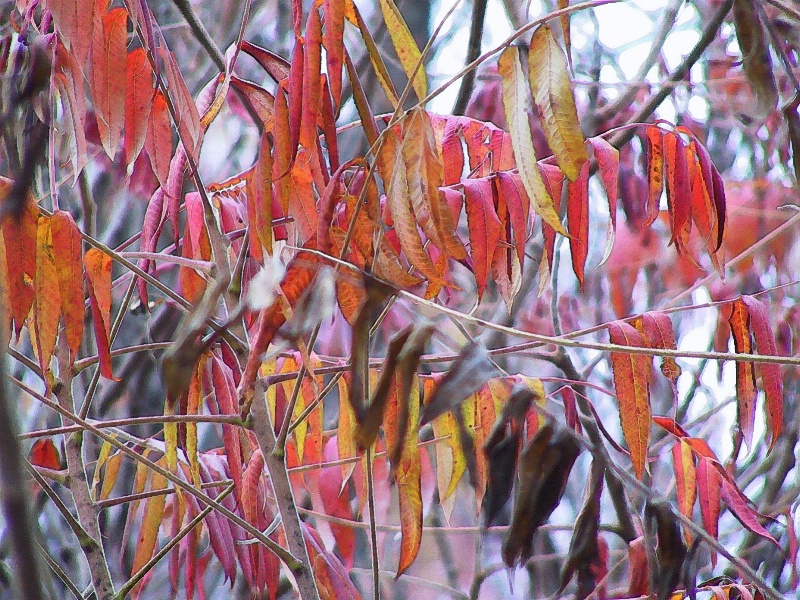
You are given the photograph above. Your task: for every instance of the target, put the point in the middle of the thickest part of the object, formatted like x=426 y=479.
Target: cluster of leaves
x=436 y=204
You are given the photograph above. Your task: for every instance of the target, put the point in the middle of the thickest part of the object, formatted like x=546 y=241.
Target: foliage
x=376 y=335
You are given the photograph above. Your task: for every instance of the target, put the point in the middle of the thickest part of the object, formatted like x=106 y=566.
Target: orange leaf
x=709 y=482
x=138 y=102
x=334 y=46
x=679 y=195
x=107 y=79
x=630 y=381
x=685 y=480
x=739 y=322
x=98 y=276
x=69 y=267
x=657 y=330
x=655 y=172
x=47 y=303
x=578 y=221
x=150 y=524
x=19 y=236
x=484 y=228
x=312 y=89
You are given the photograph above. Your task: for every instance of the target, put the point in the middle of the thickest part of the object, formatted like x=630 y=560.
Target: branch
x=473 y=52
x=284 y=496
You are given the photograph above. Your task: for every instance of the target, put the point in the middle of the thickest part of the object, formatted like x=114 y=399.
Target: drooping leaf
x=746 y=393
x=515 y=95
x=544 y=468
x=45 y=454
x=671 y=550
x=187 y=114
x=19 y=236
x=107 y=78
x=69 y=267
x=607 y=157
x=150 y=524
x=484 y=227
x=47 y=303
x=631 y=372
x=381 y=72
x=678 y=185
x=312 y=90
x=578 y=221
x=158 y=141
x=334 y=11
x=738 y=505
x=770 y=373
x=658 y=331
x=406 y=47
x=755 y=56
x=138 y=102
x=709 y=483
x=655 y=172
x=330 y=573
x=467 y=375
x=512 y=191
x=548 y=72
x=98 y=277
x=685 y=480
x=715 y=190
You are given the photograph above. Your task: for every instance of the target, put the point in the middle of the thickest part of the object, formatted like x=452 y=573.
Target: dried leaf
x=755 y=56
x=515 y=99
x=631 y=372
x=548 y=72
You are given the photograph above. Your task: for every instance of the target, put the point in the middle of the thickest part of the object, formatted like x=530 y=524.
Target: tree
x=263 y=339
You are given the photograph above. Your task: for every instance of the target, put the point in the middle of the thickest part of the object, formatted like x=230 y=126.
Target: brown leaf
x=755 y=56
x=671 y=549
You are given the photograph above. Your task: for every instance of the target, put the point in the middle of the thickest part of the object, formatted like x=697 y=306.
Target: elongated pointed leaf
x=381 y=72
x=47 y=303
x=69 y=267
x=19 y=237
x=312 y=90
x=407 y=50
x=138 y=102
x=548 y=72
x=515 y=96
x=738 y=505
x=709 y=483
x=158 y=141
x=607 y=157
x=98 y=277
x=334 y=46
x=484 y=228
x=631 y=372
x=655 y=172
x=657 y=329
x=746 y=392
x=755 y=56
x=578 y=221
x=770 y=374
x=679 y=197
x=107 y=77
x=685 y=480
x=150 y=525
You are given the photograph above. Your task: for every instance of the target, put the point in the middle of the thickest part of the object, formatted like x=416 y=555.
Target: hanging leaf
x=738 y=505
x=47 y=303
x=709 y=483
x=578 y=221
x=607 y=157
x=312 y=90
x=685 y=480
x=654 y=150
x=138 y=102
x=631 y=372
x=19 y=236
x=158 y=141
x=548 y=72
x=515 y=99
x=755 y=56
x=746 y=393
x=770 y=373
x=406 y=48
x=657 y=330
x=69 y=268
x=671 y=551
x=678 y=189
x=484 y=228
x=333 y=37
x=375 y=57
x=98 y=278
x=107 y=79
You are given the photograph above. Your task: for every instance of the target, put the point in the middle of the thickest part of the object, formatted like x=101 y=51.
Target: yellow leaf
x=515 y=95
x=405 y=46
x=551 y=87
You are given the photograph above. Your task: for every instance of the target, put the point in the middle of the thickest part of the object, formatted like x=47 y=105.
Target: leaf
x=578 y=221
x=69 y=269
x=19 y=236
x=150 y=524
x=671 y=550
x=107 y=77
x=47 y=303
x=138 y=102
x=45 y=454
x=259 y=198
x=406 y=48
x=709 y=483
x=770 y=373
x=407 y=476
x=158 y=141
x=548 y=72
x=739 y=322
x=512 y=192
x=738 y=505
x=515 y=95
x=98 y=276
x=544 y=468
x=74 y=21
x=187 y=115
x=375 y=57
x=469 y=372
x=484 y=228
x=312 y=90
x=755 y=56
x=654 y=151
x=631 y=372
x=670 y=425
x=678 y=189
x=657 y=330
x=607 y=157
x=333 y=37
x=685 y=480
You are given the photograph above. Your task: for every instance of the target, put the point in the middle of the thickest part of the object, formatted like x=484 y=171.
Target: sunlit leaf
x=407 y=50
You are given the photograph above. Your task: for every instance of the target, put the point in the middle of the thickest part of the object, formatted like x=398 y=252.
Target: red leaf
x=512 y=191
x=74 y=25
x=295 y=102
x=630 y=381
x=69 y=267
x=19 y=236
x=655 y=172
x=607 y=157
x=770 y=374
x=138 y=102
x=658 y=332
x=334 y=46
x=739 y=321
x=311 y=84
x=578 y=221
x=484 y=227
x=158 y=141
x=738 y=505
x=98 y=276
x=187 y=115
x=679 y=196
x=709 y=482
x=670 y=425
x=45 y=454
x=107 y=76
x=685 y=479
